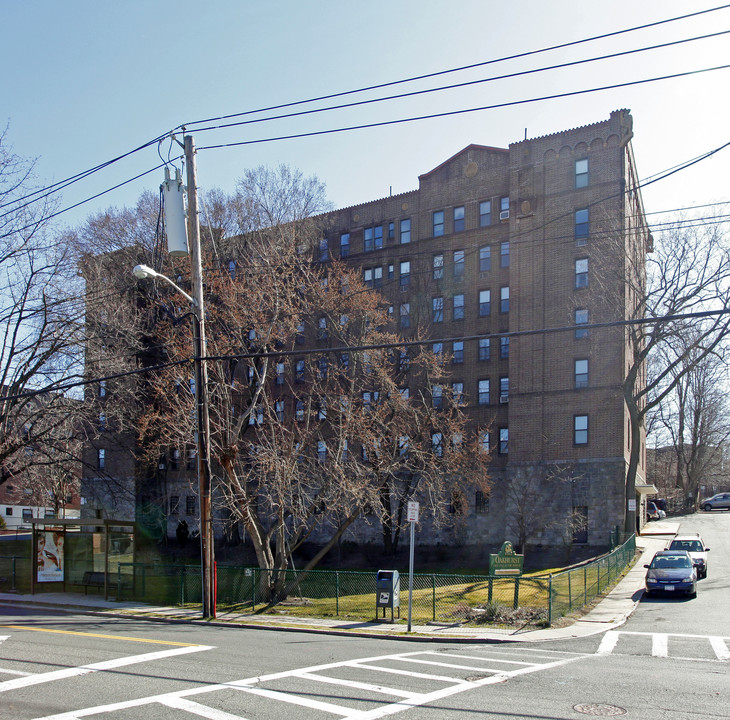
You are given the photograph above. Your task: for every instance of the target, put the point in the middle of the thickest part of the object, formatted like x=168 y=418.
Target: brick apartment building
x=496 y=246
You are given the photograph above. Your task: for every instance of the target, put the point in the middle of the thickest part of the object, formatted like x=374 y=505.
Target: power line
x=457 y=69
x=469 y=83
x=451 y=113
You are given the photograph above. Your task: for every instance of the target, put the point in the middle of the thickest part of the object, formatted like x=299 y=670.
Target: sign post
x=412 y=519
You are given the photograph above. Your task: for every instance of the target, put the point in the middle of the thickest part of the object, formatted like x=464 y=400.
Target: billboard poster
x=50 y=560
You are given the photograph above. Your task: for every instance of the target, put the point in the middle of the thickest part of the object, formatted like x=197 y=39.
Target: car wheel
x=708 y=507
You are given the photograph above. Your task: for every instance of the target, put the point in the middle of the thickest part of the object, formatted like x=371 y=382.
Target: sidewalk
x=611 y=612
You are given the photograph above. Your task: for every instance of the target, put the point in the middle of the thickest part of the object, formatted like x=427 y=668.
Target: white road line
x=451 y=665
x=608 y=643
x=659 y=645
x=720 y=648
x=197 y=709
x=356 y=685
x=41 y=678
x=474 y=657
x=5 y=671
x=299 y=700
x=409 y=673
x=453 y=690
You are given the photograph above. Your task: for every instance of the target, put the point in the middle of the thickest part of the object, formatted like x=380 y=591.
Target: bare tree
x=687 y=272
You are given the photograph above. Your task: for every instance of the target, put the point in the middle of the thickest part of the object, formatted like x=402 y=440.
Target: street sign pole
x=413 y=519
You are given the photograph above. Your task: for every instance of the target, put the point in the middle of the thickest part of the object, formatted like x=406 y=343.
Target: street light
x=143 y=272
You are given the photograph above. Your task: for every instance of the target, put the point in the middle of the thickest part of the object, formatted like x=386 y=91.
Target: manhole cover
x=599 y=710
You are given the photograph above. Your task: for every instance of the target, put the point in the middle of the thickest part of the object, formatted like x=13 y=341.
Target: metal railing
x=437 y=597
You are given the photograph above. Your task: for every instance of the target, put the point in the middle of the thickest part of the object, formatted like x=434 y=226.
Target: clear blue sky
x=86 y=81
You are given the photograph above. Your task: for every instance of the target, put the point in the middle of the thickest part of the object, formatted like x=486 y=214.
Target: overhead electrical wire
x=462 y=68
x=469 y=83
x=42 y=193
x=463 y=111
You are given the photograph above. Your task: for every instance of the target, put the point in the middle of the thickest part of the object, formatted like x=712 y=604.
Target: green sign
x=506 y=561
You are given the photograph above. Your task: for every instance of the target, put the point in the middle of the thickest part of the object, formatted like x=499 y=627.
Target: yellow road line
x=95 y=635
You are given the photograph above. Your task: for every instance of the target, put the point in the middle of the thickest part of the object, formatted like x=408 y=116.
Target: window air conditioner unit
x=504 y=398
x=504 y=215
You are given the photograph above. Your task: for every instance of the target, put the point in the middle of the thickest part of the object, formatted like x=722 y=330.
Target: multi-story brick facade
x=496 y=251
x=507 y=258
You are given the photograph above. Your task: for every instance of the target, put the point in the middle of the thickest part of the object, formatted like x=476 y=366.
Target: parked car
x=671 y=571
x=693 y=544
x=721 y=501
x=653 y=512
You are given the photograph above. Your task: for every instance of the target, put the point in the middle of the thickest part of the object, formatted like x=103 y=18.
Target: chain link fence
x=437 y=597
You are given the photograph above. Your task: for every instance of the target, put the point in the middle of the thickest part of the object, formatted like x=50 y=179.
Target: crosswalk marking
x=441 y=686
x=661 y=644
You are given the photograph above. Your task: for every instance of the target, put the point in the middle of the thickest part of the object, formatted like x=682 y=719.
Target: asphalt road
x=671 y=659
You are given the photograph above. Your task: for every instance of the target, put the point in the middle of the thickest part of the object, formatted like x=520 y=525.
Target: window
x=190 y=504
x=405 y=231
x=485 y=213
x=279 y=410
x=322 y=328
x=438 y=309
x=503 y=448
x=100 y=459
x=438 y=267
x=483 y=392
x=457 y=392
x=581 y=273
x=459 y=219
x=405 y=274
x=300 y=333
x=504 y=389
x=405 y=315
x=373 y=238
x=391 y=232
x=457 y=357
x=192 y=458
x=504 y=348
x=581 y=173
x=102 y=388
x=175 y=459
x=102 y=421
x=437 y=397
x=581 y=318
x=580 y=429
x=299 y=371
x=485 y=303
x=345 y=245
x=485 y=258
x=438 y=223
x=27 y=514
x=378 y=277
x=322 y=367
x=321 y=450
x=504 y=254
x=481 y=503
x=437 y=444
x=404 y=361
x=484 y=349
x=280 y=373
x=581 y=373
x=324 y=250
x=458 y=264
x=581 y=227
x=504 y=299
x=438 y=349
x=174 y=504
x=458 y=307
x=367 y=277
x=345 y=360
x=9 y=511
x=299 y=411
x=504 y=208
x=232 y=269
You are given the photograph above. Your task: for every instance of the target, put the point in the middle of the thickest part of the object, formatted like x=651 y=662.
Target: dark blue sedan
x=671 y=571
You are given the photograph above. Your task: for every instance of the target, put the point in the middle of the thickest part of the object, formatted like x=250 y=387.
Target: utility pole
x=207 y=555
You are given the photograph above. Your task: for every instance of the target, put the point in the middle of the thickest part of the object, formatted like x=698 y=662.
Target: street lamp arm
x=143 y=271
